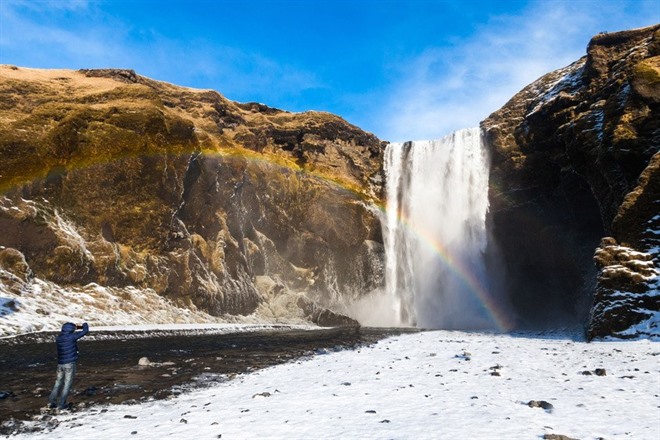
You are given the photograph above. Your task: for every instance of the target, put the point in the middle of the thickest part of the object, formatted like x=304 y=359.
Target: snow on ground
x=125 y=332
x=44 y=306
x=37 y=305
x=430 y=385
x=205 y=328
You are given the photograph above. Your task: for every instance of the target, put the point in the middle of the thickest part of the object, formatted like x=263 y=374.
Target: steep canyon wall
x=114 y=179
x=575 y=169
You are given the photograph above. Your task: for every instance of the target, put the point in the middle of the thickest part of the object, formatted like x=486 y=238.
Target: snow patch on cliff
x=45 y=306
x=68 y=233
x=639 y=274
x=38 y=305
x=568 y=80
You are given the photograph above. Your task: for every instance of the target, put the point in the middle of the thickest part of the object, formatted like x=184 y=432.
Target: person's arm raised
x=83 y=332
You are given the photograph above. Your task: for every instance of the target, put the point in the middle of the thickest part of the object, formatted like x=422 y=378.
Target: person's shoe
x=52 y=406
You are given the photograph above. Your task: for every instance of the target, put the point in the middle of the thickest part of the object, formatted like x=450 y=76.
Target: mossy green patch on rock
x=646 y=78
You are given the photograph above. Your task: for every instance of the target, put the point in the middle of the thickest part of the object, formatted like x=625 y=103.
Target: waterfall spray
x=435 y=237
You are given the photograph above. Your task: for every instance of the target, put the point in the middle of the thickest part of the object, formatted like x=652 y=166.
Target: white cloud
x=445 y=89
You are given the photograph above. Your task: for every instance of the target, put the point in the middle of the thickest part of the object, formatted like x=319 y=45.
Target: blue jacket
x=67 y=343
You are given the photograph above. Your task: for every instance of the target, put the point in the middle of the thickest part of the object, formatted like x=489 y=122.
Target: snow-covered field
x=429 y=385
x=39 y=306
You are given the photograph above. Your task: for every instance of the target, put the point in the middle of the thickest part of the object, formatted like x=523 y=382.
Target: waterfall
x=435 y=237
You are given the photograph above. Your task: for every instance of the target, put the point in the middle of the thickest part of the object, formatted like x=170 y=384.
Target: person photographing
x=67 y=356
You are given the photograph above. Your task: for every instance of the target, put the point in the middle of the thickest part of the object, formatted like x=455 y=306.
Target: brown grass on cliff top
x=64 y=119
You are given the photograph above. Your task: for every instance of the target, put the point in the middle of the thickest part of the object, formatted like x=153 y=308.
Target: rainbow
x=500 y=316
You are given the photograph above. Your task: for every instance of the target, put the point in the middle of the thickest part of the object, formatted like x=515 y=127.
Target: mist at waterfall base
x=435 y=238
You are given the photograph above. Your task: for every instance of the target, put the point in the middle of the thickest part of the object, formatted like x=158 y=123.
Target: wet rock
x=145 y=362
x=13 y=426
x=557 y=437
x=597 y=372
x=466 y=356
x=325 y=317
x=39 y=392
x=91 y=391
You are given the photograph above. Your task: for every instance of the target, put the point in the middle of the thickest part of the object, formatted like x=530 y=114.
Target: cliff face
x=575 y=163
x=114 y=179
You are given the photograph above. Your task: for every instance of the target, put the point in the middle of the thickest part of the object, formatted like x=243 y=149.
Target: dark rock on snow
x=557 y=437
x=540 y=404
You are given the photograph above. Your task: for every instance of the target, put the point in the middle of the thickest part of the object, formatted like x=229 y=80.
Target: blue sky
x=403 y=70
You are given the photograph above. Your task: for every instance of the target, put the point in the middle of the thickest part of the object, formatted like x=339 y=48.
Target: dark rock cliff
x=575 y=170
x=114 y=179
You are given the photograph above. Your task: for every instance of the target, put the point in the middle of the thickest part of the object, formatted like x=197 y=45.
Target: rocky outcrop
x=114 y=179
x=574 y=160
